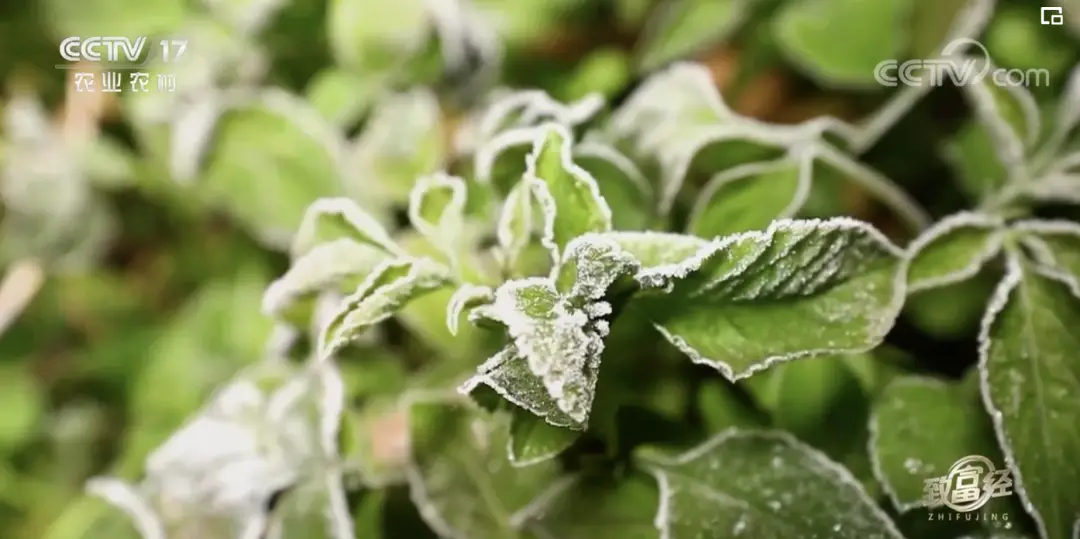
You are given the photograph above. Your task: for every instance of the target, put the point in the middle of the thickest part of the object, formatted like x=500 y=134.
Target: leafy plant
x=435 y=276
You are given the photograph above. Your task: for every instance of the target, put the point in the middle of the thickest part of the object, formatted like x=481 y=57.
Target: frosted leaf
x=953 y=250
x=517 y=109
x=1060 y=187
x=329 y=219
x=1029 y=379
x=920 y=427
x=1011 y=119
x=191 y=133
x=386 y=291
x=335 y=264
x=678 y=97
x=685 y=29
x=801 y=288
x=402 y=141
x=272 y=428
x=515 y=226
x=1055 y=245
x=622 y=184
x=591 y=265
x=577 y=508
x=462 y=33
x=508 y=374
x=569 y=196
x=1068 y=114
x=749 y=197
x=452 y=488
x=533 y=441
x=316 y=509
x=763 y=484
x=465 y=297
x=134 y=504
x=557 y=340
x=437 y=210
x=658 y=252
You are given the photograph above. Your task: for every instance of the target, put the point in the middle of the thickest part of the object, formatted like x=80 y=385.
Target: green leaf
x=466 y=297
x=375 y=36
x=558 y=342
x=403 y=140
x=462 y=480
x=840 y=42
x=721 y=408
x=508 y=374
x=1011 y=118
x=533 y=441
x=568 y=195
x=654 y=250
x=920 y=427
x=315 y=509
x=800 y=288
x=1029 y=385
x=342 y=97
x=23 y=403
x=437 y=211
x=624 y=188
x=382 y=294
x=953 y=250
x=1055 y=243
x=976 y=165
x=270 y=160
x=936 y=23
x=581 y=507
x=761 y=484
x=341 y=264
x=331 y=219
x=515 y=226
x=685 y=28
x=751 y=196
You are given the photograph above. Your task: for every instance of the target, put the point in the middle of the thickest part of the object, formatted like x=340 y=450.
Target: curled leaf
x=953 y=250
x=468 y=295
x=437 y=210
x=388 y=289
x=330 y=219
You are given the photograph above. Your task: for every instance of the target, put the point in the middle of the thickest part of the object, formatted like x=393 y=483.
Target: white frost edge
x=444 y=234
x=876 y=467
x=662 y=521
x=693 y=78
x=345 y=208
x=752 y=170
x=417 y=490
x=482 y=377
x=124 y=497
x=877 y=184
x=995 y=228
x=418 y=275
x=1033 y=229
x=289 y=287
x=1013 y=276
x=676 y=164
x=190 y=136
x=1062 y=187
x=1010 y=146
x=462 y=298
x=605 y=152
x=539 y=505
x=512 y=458
x=543 y=194
x=662 y=275
x=510 y=244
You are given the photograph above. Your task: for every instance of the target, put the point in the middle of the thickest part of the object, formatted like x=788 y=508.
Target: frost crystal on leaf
x=468 y=295
x=437 y=210
x=569 y=196
x=392 y=285
x=264 y=441
x=800 y=288
x=512 y=110
x=953 y=250
x=1029 y=381
x=761 y=484
x=329 y=219
x=331 y=264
